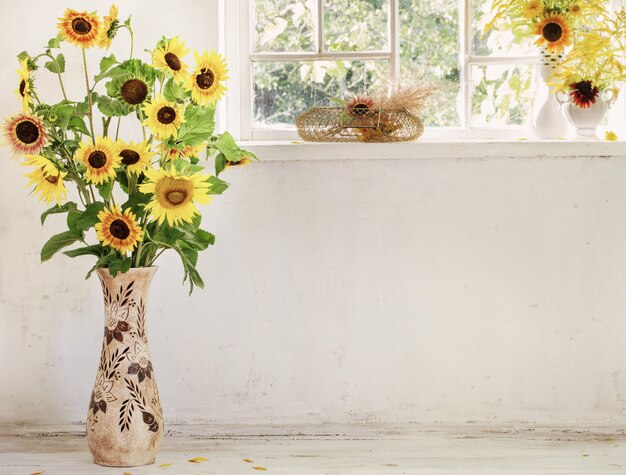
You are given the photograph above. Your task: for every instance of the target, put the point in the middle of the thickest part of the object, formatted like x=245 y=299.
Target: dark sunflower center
x=166 y=115
x=81 y=26
x=552 y=32
x=585 y=89
x=134 y=91
x=97 y=159
x=22 y=87
x=176 y=197
x=51 y=179
x=129 y=157
x=205 y=79
x=173 y=62
x=27 y=132
x=119 y=229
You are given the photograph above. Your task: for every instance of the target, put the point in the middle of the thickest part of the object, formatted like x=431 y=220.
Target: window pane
x=356 y=25
x=282 y=91
x=429 y=41
x=284 y=25
x=495 y=42
x=501 y=94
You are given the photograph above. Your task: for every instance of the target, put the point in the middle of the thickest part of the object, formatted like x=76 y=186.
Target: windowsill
x=434 y=148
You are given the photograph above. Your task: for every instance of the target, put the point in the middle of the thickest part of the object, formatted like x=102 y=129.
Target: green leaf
x=227 y=145
x=23 y=55
x=78 y=124
x=56 y=209
x=172 y=90
x=217 y=186
x=111 y=107
x=95 y=250
x=106 y=62
x=198 y=126
x=55 y=42
x=56 y=66
x=121 y=265
x=79 y=221
x=58 y=242
x=136 y=202
x=116 y=72
x=220 y=163
x=106 y=190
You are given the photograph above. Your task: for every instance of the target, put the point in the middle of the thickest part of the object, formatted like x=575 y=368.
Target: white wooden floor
x=344 y=450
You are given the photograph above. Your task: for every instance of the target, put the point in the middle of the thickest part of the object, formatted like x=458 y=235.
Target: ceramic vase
x=124 y=419
x=548 y=121
x=587 y=119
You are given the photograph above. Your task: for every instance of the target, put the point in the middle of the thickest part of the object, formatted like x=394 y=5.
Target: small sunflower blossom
x=118 y=229
x=206 y=83
x=109 y=29
x=47 y=178
x=164 y=118
x=24 y=89
x=610 y=136
x=25 y=134
x=101 y=160
x=174 y=195
x=168 y=56
x=80 y=28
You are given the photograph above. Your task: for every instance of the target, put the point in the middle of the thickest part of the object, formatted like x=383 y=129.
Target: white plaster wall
x=402 y=290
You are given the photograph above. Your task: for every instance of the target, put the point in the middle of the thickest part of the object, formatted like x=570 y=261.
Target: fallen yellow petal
x=38 y=473
x=198 y=460
x=248 y=461
x=127 y=473
x=259 y=468
x=163 y=465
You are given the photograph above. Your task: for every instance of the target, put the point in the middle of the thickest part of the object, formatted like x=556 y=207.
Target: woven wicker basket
x=339 y=124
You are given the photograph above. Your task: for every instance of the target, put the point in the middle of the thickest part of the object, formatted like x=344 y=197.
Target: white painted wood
x=336 y=450
x=434 y=148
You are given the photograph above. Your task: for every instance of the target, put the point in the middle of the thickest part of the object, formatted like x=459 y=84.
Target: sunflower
x=163 y=117
x=24 y=87
x=118 y=230
x=533 y=9
x=101 y=160
x=188 y=151
x=584 y=93
x=174 y=195
x=136 y=156
x=360 y=106
x=134 y=87
x=168 y=56
x=109 y=30
x=81 y=28
x=244 y=161
x=207 y=81
x=575 y=10
x=555 y=33
x=48 y=180
x=25 y=134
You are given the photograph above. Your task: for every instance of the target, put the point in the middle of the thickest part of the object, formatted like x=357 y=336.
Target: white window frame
x=237 y=18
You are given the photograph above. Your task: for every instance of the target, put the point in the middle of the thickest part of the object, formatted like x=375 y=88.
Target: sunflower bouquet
x=136 y=198
x=596 y=63
x=551 y=22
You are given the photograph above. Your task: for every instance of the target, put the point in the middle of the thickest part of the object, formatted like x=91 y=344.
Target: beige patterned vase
x=125 y=420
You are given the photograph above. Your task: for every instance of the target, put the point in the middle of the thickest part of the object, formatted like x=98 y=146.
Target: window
x=298 y=53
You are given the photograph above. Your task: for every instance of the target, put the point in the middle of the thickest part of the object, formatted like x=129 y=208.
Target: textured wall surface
x=400 y=290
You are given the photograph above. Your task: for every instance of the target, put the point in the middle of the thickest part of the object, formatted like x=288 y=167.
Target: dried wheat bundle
x=413 y=97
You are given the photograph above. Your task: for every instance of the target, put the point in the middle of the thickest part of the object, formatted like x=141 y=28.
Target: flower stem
x=59 y=74
x=132 y=41
x=89 y=99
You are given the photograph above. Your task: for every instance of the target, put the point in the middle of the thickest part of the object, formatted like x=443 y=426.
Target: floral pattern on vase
x=125 y=419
